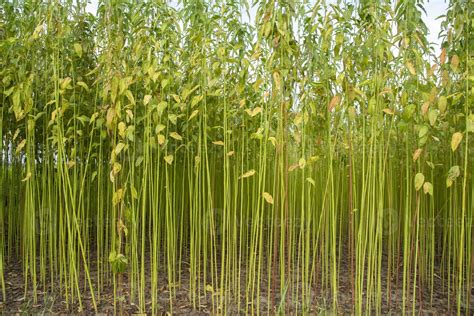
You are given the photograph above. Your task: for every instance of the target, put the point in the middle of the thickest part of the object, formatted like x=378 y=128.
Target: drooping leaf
x=411 y=68
x=176 y=136
x=419 y=180
x=456 y=140
x=302 y=162
x=311 y=180
x=161 y=139
x=247 y=174
x=268 y=197
x=119 y=148
x=334 y=102
x=417 y=154
x=20 y=146
x=428 y=188
x=195 y=112
x=146 y=99
x=442 y=104
x=169 y=159
x=254 y=111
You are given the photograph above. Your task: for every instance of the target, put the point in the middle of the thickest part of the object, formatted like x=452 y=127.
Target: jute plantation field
x=236 y=157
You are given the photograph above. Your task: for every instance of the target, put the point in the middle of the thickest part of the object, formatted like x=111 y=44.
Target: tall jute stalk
x=304 y=156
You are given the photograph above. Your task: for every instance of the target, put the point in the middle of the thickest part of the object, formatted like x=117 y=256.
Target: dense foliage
x=256 y=157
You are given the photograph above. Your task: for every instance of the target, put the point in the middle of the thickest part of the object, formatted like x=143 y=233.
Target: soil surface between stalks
x=51 y=301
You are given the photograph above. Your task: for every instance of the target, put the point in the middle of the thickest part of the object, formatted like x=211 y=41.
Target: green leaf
x=78 y=49
x=453 y=173
x=442 y=104
x=118 y=262
x=130 y=97
x=432 y=116
x=423 y=131
x=196 y=100
x=83 y=85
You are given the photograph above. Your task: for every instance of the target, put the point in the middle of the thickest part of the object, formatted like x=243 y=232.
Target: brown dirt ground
x=49 y=301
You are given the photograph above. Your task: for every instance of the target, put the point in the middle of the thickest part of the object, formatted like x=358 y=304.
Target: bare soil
x=50 y=301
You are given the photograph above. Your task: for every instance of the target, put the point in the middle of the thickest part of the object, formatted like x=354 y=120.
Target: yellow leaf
x=83 y=85
x=298 y=119
x=388 y=111
x=117 y=197
x=176 y=136
x=146 y=99
x=218 y=142
x=196 y=100
x=454 y=62
x=195 y=112
x=432 y=70
x=129 y=96
x=419 y=180
x=209 y=288
x=20 y=146
x=116 y=168
x=65 y=83
x=176 y=98
x=449 y=183
x=442 y=57
x=425 y=107
x=17 y=132
x=161 y=139
x=169 y=159
x=134 y=192
x=268 y=197
x=302 y=163
x=273 y=140
x=417 y=154
x=411 y=68
x=173 y=118
x=293 y=167
x=247 y=174
x=122 y=129
x=254 y=111
x=110 y=116
x=428 y=188
x=456 y=140
x=28 y=175
x=277 y=79
x=334 y=102
x=159 y=128
x=119 y=148
x=230 y=153
x=351 y=112
x=442 y=104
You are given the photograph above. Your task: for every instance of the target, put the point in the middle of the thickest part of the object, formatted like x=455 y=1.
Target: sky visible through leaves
x=434 y=9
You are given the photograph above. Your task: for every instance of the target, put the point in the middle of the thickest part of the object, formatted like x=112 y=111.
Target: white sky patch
x=434 y=9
